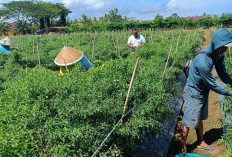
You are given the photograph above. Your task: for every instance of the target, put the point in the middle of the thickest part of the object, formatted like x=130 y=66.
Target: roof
x=197 y=17
x=10 y=25
x=193 y=17
x=55 y=28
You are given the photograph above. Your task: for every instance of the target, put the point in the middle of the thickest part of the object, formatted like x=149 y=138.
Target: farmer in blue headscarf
x=200 y=82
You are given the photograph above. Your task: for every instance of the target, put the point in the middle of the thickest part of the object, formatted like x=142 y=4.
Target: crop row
x=44 y=114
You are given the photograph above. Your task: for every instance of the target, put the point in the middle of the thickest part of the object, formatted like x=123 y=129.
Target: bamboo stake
x=167 y=60
x=62 y=40
x=177 y=45
x=118 y=46
x=162 y=36
x=93 y=40
x=188 y=38
x=66 y=65
x=114 y=42
x=40 y=38
x=229 y=52
x=130 y=86
x=185 y=39
x=66 y=40
x=73 y=38
x=108 y=36
x=38 y=54
x=33 y=46
x=151 y=38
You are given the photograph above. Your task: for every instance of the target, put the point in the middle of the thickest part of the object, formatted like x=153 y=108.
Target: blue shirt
x=86 y=64
x=200 y=79
x=4 y=48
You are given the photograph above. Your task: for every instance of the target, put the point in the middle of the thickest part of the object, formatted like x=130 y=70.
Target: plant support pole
x=38 y=54
x=33 y=46
x=229 y=52
x=131 y=83
x=93 y=40
x=167 y=60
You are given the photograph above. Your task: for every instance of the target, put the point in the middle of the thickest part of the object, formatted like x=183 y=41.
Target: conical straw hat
x=68 y=56
x=7 y=42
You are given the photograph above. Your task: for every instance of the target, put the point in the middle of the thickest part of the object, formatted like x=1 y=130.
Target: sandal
x=209 y=150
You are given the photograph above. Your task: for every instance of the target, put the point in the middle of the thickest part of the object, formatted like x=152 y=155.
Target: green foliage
x=114 y=26
x=227 y=108
x=22 y=27
x=34 y=12
x=112 y=21
x=44 y=114
x=3 y=28
x=206 y=22
x=225 y=20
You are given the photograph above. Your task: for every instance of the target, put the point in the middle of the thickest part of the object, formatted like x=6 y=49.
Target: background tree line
x=29 y=15
x=113 y=21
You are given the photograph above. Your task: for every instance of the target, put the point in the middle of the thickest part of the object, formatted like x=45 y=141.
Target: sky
x=144 y=9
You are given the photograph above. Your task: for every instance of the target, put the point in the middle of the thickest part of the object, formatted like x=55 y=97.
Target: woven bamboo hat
x=7 y=42
x=68 y=56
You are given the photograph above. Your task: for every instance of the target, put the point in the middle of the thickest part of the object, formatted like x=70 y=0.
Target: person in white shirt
x=135 y=40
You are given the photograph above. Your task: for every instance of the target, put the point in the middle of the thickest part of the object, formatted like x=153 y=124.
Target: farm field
x=44 y=114
x=119 y=96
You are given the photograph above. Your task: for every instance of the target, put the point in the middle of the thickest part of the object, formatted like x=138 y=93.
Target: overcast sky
x=144 y=9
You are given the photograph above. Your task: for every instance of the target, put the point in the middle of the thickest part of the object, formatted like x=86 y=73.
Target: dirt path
x=212 y=126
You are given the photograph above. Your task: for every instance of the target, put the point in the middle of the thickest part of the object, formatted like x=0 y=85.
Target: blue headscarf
x=220 y=38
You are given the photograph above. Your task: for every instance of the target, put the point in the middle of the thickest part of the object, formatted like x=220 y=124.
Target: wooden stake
x=151 y=38
x=188 y=39
x=66 y=40
x=73 y=38
x=62 y=40
x=229 y=52
x=167 y=61
x=93 y=40
x=66 y=65
x=118 y=46
x=177 y=45
x=130 y=86
x=33 y=46
x=38 y=54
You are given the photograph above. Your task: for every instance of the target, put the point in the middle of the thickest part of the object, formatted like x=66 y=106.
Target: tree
x=22 y=27
x=18 y=10
x=85 y=20
x=35 y=12
x=112 y=16
x=206 y=21
x=4 y=14
x=63 y=13
x=226 y=20
x=175 y=15
x=158 y=21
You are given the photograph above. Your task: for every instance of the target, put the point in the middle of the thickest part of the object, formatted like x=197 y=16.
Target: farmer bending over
x=199 y=83
x=5 y=44
x=135 y=40
x=69 y=57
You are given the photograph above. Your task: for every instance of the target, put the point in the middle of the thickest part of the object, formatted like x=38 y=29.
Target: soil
x=212 y=126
